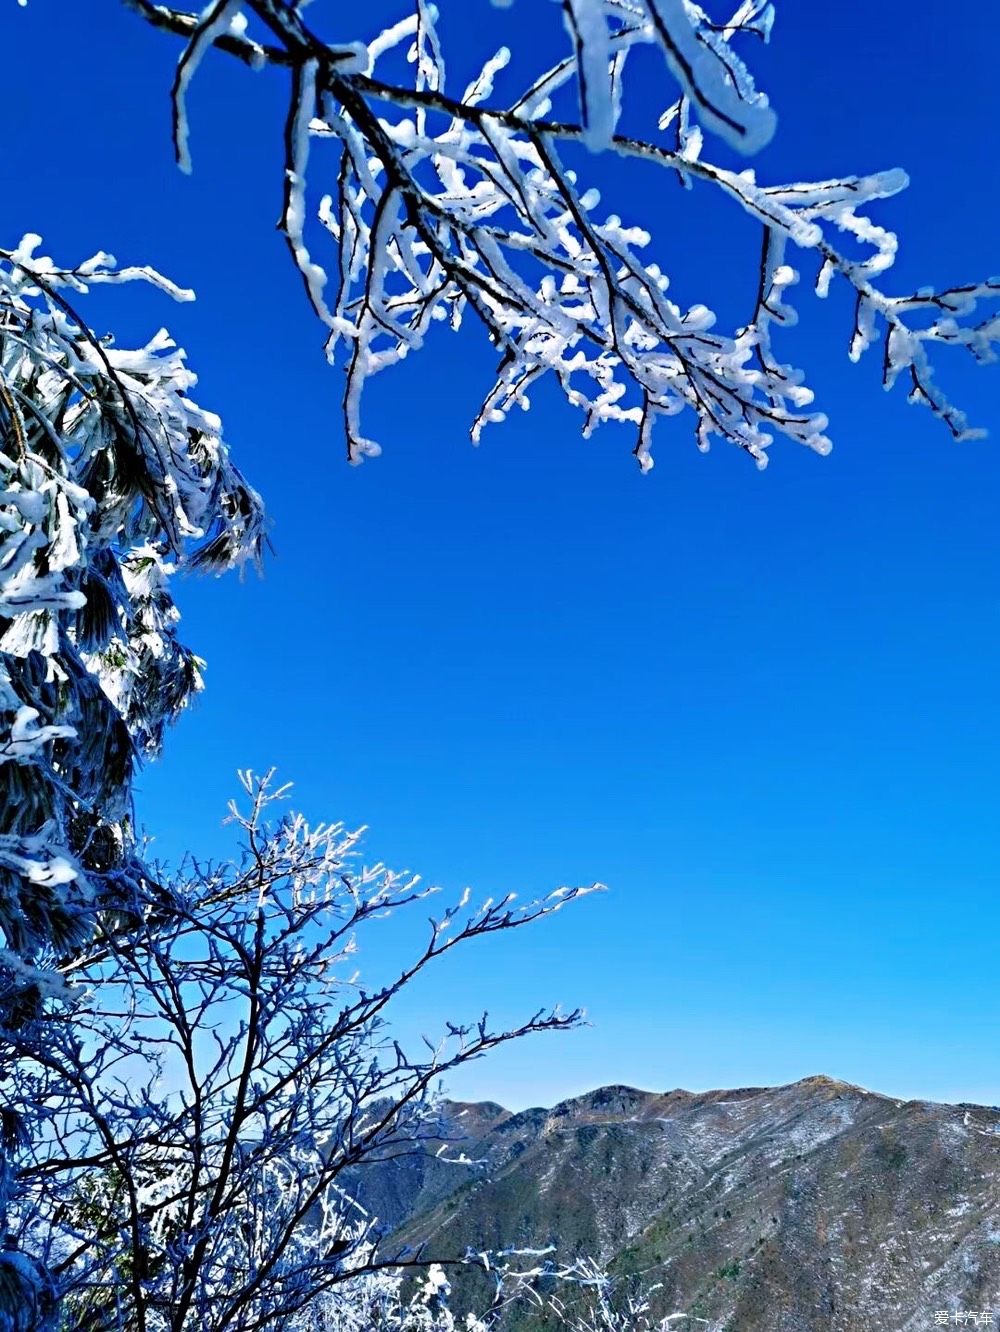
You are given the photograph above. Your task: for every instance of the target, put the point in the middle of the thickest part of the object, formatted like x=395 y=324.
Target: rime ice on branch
x=110 y=476
x=449 y=203
x=227 y=1071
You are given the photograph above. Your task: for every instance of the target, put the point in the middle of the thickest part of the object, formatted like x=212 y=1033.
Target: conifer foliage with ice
x=446 y=201
x=111 y=477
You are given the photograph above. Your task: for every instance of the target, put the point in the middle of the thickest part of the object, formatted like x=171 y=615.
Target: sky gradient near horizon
x=761 y=707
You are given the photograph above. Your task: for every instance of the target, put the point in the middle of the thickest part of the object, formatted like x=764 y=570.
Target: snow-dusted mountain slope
x=785 y=1209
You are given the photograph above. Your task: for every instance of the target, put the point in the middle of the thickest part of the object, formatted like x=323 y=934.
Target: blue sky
x=761 y=707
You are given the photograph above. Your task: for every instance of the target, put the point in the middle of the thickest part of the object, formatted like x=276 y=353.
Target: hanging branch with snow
x=451 y=204
x=112 y=476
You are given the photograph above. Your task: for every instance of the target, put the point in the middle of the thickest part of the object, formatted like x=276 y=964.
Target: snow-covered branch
x=446 y=204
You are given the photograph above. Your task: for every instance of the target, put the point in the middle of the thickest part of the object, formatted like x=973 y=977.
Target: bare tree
x=441 y=203
x=221 y=1071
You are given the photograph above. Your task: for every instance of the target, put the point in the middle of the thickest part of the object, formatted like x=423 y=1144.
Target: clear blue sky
x=762 y=707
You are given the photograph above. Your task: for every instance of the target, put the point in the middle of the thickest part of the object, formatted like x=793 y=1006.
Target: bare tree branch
x=221 y=1073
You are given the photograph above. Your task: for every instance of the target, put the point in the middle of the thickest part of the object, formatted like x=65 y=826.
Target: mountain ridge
x=814 y=1205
